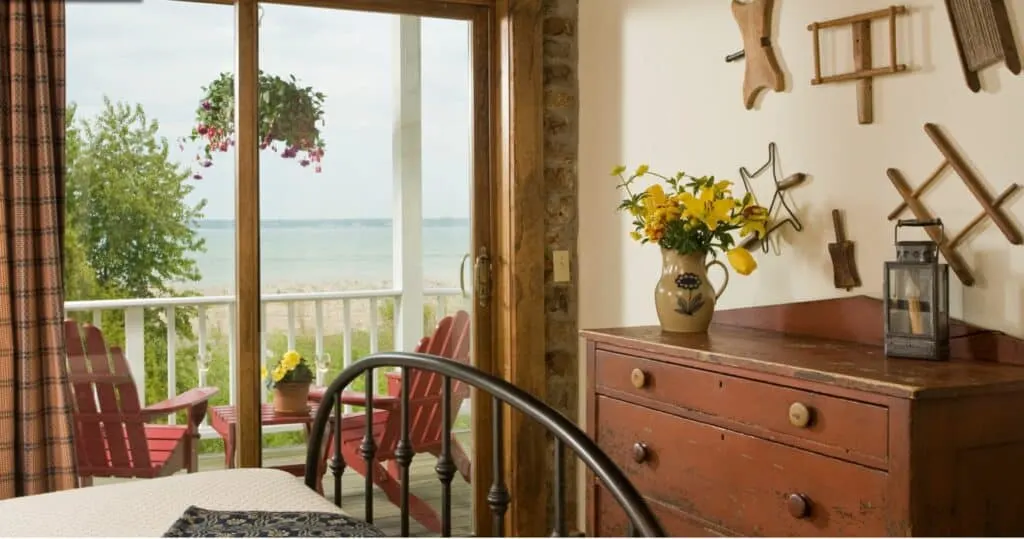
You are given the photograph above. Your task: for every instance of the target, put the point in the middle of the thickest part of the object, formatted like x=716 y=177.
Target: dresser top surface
x=842 y=364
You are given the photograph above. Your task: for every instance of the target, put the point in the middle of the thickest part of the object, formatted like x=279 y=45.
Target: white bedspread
x=148 y=507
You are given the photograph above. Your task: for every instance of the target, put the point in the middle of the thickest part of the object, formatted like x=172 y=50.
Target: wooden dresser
x=788 y=420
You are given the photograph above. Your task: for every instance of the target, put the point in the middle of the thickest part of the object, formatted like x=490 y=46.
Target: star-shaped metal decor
x=778 y=199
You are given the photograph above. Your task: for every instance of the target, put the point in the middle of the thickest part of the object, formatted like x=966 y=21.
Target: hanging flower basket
x=290 y=118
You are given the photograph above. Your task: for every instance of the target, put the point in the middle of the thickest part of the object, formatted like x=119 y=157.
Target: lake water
x=328 y=253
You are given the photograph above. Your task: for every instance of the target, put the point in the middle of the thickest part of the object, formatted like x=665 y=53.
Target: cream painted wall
x=654 y=88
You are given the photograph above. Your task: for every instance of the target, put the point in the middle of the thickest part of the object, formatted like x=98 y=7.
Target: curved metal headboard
x=643 y=521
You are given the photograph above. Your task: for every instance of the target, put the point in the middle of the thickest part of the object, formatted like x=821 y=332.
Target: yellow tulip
x=619 y=169
x=741 y=260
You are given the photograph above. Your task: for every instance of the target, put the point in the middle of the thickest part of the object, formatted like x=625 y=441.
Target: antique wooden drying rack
x=990 y=208
x=863 y=71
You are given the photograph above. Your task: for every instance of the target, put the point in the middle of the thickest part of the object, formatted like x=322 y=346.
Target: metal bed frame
x=642 y=521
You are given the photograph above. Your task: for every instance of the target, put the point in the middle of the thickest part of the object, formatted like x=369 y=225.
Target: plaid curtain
x=36 y=453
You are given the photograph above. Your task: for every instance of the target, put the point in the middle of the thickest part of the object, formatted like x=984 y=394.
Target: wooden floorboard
x=423 y=484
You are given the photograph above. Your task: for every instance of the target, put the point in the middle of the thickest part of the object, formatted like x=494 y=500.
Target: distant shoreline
x=301 y=223
x=276 y=320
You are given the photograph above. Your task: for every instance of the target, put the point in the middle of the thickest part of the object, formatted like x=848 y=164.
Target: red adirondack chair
x=451 y=340
x=112 y=438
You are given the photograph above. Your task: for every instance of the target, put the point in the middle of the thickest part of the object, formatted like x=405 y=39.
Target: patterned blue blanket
x=199 y=522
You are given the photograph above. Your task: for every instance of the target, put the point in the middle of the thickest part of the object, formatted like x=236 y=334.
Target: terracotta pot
x=684 y=298
x=291 y=398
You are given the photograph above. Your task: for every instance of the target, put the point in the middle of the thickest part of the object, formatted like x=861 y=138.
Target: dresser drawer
x=611 y=520
x=746 y=484
x=857 y=429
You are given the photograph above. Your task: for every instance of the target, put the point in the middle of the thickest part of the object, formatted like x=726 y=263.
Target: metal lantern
x=916 y=300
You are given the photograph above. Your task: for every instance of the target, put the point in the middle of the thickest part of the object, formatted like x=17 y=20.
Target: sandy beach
x=277 y=314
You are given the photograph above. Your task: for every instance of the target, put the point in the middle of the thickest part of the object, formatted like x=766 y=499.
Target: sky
x=159 y=53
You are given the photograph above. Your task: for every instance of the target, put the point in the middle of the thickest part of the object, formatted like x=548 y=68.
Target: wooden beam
x=446 y=9
x=247 y=235
x=521 y=244
x=485 y=55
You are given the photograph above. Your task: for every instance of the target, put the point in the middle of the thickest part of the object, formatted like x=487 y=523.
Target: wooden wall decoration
x=863 y=71
x=984 y=36
x=762 y=70
x=991 y=208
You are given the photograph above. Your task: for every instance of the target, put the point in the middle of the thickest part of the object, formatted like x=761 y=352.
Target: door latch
x=482 y=273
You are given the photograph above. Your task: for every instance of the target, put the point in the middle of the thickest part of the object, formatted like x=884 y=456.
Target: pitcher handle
x=725 y=283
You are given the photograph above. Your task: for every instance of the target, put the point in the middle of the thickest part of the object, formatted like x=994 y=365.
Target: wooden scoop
x=844 y=269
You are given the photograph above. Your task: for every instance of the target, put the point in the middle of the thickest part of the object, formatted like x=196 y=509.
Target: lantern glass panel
x=912 y=309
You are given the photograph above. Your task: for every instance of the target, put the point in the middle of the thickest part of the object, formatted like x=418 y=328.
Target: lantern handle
x=918 y=223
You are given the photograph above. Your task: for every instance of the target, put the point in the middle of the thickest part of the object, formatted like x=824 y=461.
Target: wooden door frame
x=517 y=207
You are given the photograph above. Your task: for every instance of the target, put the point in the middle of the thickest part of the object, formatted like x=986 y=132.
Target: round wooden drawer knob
x=639 y=452
x=798 y=506
x=799 y=415
x=638 y=378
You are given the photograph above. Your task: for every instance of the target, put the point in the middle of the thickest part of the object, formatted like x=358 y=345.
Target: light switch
x=561 y=267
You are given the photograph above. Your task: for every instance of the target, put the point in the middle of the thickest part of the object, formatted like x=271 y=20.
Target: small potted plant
x=290 y=381
x=290 y=118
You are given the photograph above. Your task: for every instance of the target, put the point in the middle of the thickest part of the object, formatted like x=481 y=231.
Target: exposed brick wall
x=561 y=137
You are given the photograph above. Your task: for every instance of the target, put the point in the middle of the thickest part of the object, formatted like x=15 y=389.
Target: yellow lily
x=753 y=219
x=709 y=208
x=655 y=196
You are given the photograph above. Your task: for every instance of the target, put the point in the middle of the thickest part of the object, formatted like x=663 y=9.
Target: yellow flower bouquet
x=690 y=218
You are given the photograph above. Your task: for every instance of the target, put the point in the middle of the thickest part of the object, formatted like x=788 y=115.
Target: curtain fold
x=36 y=446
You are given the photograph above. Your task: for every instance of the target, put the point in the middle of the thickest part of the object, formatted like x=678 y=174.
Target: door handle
x=462 y=275
x=482 y=272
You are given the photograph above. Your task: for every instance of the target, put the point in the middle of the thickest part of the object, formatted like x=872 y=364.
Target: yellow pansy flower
x=290 y=360
x=278 y=373
x=741 y=260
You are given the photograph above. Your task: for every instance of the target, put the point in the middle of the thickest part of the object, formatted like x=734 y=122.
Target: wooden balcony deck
x=424 y=484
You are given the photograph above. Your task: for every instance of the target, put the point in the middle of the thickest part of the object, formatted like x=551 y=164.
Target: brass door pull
x=462 y=275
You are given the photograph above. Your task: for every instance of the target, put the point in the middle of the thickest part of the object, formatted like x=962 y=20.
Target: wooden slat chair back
x=450 y=340
x=112 y=433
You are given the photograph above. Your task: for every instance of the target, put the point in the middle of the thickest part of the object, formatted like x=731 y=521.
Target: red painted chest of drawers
x=749 y=430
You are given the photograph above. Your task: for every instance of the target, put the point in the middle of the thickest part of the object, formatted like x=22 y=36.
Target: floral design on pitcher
x=693 y=302
x=688 y=281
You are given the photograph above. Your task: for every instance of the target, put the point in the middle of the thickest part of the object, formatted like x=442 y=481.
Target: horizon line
x=322 y=219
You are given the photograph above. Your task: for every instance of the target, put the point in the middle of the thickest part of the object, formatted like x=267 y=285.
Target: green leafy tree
x=130 y=231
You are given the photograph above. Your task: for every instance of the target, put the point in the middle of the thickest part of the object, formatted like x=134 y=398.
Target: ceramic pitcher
x=684 y=298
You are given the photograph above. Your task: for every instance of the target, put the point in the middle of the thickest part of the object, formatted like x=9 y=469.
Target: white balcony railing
x=296 y=305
